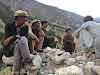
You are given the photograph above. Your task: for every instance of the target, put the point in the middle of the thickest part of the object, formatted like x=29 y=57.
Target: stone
x=71 y=70
x=70 y=61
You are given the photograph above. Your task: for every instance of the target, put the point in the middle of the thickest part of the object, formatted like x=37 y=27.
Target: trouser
x=1 y=54
x=97 y=50
x=21 y=52
x=41 y=39
x=33 y=44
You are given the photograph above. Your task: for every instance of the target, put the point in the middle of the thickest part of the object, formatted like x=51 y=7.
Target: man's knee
x=22 y=40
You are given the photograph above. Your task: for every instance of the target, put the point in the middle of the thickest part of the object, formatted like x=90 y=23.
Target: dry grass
x=6 y=71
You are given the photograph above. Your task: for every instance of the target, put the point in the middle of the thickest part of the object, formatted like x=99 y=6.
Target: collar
x=19 y=25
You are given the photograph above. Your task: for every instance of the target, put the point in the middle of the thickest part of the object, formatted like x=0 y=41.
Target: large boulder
x=8 y=60
x=90 y=69
x=70 y=61
x=60 y=57
x=96 y=69
x=81 y=59
x=71 y=70
x=37 y=61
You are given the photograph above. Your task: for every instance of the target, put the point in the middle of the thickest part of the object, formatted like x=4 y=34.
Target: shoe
x=34 y=53
x=39 y=50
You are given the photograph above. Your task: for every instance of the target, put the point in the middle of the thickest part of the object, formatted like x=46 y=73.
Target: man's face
x=21 y=20
x=45 y=25
x=59 y=40
x=69 y=32
x=37 y=25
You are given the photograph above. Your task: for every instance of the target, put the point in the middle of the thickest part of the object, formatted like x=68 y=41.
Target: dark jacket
x=36 y=32
x=48 y=40
x=68 y=43
x=13 y=30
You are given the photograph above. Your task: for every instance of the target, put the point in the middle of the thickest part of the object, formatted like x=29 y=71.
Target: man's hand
x=89 y=53
x=41 y=33
x=37 y=40
x=6 y=42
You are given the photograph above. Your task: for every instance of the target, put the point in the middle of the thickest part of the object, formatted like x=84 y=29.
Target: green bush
x=52 y=32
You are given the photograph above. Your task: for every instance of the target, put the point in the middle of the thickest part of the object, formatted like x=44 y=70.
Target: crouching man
x=36 y=36
x=16 y=37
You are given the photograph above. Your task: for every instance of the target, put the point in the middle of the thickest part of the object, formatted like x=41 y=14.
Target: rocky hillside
x=5 y=12
x=45 y=12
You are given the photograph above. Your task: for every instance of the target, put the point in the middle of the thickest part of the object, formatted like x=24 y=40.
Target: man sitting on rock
x=68 y=41
x=48 y=40
x=37 y=33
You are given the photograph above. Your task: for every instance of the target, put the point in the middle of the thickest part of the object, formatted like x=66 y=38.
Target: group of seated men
x=22 y=38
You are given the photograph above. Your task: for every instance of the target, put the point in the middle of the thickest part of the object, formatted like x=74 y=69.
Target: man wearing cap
x=16 y=36
x=48 y=40
x=68 y=41
x=38 y=34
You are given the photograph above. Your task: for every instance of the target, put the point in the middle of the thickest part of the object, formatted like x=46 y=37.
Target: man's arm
x=31 y=34
x=8 y=35
x=41 y=33
x=6 y=42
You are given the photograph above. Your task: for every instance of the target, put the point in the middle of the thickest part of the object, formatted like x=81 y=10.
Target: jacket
x=68 y=43
x=12 y=30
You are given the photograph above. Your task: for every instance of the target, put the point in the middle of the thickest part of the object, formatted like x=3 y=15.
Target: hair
x=16 y=17
x=88 y=18
x=68 y=29
x=34 y=23
x=59 y=37
x=44 y=22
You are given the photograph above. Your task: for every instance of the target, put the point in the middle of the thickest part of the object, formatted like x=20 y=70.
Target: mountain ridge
x=46 y=12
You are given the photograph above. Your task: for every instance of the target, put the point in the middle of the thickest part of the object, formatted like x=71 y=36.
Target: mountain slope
x=45 y=12
x=5 y=13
